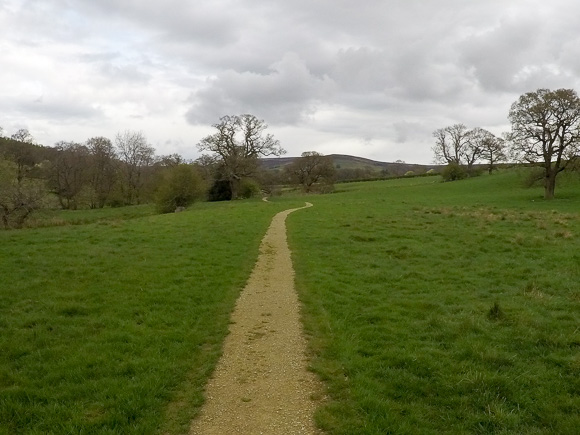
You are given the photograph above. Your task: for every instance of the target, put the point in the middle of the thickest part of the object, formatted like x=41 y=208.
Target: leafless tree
x=310 y=169
x=238 y=143
x=451 y=144
x=135 y=156
x=546 y=131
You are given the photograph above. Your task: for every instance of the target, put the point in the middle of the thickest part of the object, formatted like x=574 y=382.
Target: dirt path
x=261 y=384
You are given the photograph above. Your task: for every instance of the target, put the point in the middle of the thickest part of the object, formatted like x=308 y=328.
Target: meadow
x=429 y=307
x=112 y=327
x=443 y=307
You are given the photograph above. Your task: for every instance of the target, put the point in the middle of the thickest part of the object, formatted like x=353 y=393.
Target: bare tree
x=546 y=131
x=239 y=142
x=451 y=143
x=102 y=174
x=473 y=149
x=310 y=169
x=135 y=156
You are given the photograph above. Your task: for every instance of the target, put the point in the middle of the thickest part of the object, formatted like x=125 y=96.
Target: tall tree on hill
x=239 y=142
x=135 y=156
x=23 y=135
x=546 y=132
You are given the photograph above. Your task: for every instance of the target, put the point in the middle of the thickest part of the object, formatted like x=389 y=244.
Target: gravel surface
x=261 y=384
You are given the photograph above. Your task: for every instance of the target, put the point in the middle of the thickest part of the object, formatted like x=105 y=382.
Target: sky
x=371 y=78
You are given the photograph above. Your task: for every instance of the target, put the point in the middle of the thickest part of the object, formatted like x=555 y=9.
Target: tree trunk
x=235 y=187
x=550 y=184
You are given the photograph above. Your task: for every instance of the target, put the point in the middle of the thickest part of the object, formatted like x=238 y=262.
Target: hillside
x=347 y=162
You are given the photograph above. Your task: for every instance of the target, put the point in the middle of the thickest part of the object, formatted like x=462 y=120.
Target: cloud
x=286 y=94
x=373 y=78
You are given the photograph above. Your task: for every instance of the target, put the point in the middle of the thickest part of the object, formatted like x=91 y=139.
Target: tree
x=102 y=174
x=69 y=173
x=493 y=151
x=546 y=132
x=23 y=135
x=239 y=142
x=135 y=156
x=451 y=143
x=474 y=146
x=181 y=186
x=19 y=196
x=311 y=168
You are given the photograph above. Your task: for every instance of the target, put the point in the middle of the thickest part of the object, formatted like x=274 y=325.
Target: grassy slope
x=113 y=327
x=399 y=279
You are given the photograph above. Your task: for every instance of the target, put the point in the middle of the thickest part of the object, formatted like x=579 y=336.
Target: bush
x=453 y=172
x=180 y=187
x=249 y=188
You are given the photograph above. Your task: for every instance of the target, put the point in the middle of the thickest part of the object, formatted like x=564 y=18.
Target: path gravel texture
x=261 y=384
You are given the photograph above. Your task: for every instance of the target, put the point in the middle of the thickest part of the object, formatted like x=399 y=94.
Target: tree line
x=126 y=171
x=545 y=132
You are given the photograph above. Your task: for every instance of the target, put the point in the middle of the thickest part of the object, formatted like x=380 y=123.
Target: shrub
x=249 y=188
x=180 y=187
x=453 y=172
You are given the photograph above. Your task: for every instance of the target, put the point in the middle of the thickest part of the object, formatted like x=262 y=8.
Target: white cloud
x=373 y=79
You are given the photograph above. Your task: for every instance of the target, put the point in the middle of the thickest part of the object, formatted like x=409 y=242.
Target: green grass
x=443 y=308
x=113 y=327
x=56 y=217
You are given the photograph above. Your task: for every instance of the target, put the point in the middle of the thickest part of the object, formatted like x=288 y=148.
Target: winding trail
x=261 y=384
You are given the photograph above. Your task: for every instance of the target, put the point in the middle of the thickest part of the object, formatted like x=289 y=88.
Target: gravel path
x=261 y=384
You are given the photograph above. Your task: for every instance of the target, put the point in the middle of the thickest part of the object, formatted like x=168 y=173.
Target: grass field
x=113 y=327
x=443 y=308
x=430 y=307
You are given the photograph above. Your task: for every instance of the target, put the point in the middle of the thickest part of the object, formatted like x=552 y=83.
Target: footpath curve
x=261 y=384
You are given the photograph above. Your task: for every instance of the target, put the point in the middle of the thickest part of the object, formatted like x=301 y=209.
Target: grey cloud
x=285 y=95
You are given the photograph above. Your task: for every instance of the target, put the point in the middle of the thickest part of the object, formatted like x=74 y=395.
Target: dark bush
x=453 y=172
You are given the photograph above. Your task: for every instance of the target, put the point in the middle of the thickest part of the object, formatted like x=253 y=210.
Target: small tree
x=493 y=151
x=311 y=169
x=238 y=143
x=19 y=197
x=546 y=132
x=180 y=187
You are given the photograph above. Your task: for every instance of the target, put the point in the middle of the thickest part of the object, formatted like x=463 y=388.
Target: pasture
x=114 y=326
x=443 y=308
x=429 y=307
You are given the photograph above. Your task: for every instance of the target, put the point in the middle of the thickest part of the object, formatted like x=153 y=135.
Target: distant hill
x=346 y=162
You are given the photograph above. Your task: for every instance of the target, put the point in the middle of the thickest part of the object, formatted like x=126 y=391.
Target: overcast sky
x=372 y=78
